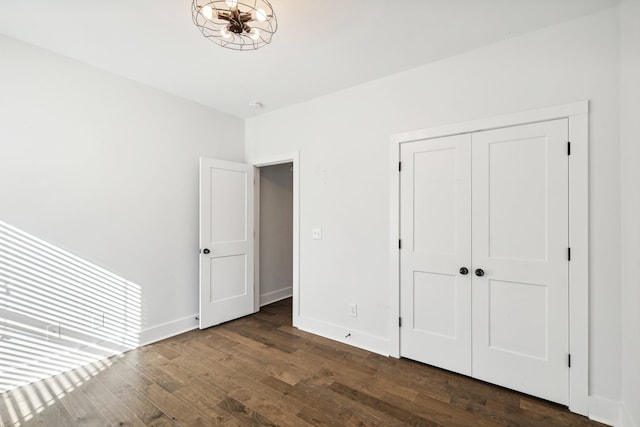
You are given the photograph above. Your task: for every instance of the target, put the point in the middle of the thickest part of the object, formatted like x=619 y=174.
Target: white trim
x=525 y=117
x=167 y=330
x=604 y=410
x=340 y=333
x=274 y=296
x=256 y=241
x=579 y=265
x=294 y=158
x=577 y=113
x=394 y=252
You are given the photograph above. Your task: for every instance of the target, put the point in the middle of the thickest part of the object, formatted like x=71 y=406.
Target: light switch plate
x=316 y=233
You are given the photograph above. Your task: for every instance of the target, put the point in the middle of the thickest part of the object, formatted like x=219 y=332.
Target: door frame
x=294 y=158
x=577 y=114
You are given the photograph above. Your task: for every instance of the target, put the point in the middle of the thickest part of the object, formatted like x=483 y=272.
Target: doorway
x=274 y=233
x=287 y=168
x=230 y=239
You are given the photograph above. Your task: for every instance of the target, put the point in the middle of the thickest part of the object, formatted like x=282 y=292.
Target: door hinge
x=400 y=322
x=569 y=360
x=569 y=254
x=399 y=166
x=399 y=243
x=568 y=148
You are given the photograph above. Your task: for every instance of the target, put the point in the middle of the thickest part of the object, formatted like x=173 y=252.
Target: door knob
x=206 y=251
x=464 y=270
x=479 y=272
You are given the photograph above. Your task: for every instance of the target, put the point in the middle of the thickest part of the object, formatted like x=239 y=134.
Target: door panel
x=434 y=204
x=228 y=188
x=226 y=231
x=517 y=191
x=435 y=186
x=521 y=304
x=232 y=270
x=434 y=304
x=520 y=234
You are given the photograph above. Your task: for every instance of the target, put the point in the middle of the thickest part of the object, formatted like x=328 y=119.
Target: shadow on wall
x=58 y=312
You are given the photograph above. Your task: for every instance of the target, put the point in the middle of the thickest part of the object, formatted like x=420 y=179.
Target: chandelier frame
x=247 y=25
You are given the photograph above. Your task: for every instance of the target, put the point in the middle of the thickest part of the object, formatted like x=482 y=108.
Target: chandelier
x=238 y=25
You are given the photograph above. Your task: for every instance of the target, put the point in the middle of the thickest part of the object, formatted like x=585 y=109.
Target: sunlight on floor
x=58 y=314
x=25 y=403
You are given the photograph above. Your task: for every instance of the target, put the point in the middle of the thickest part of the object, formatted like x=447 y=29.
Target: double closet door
x=483 y=264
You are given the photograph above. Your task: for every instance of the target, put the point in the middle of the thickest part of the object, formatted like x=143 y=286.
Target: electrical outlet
x=53 y=331
x=353 y=310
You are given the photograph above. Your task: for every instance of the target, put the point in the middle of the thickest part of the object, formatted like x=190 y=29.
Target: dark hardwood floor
x=259 y=370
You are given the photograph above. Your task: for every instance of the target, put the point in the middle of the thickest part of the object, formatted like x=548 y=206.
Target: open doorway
x=230 y=238
x=279 y=255
x=274 y=233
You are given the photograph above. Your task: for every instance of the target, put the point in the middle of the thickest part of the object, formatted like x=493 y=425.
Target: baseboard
x=363 y=340
x=274 y=296
x=625 y=417
x=604 y=410
x=167 y=330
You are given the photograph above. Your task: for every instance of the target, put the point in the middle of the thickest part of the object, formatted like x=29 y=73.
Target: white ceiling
x=320 y=47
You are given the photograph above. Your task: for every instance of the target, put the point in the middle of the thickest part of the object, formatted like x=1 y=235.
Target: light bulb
x=232 y=3
x=261 y=15
x=254 y=33
x=207 y=11
x=224 y=32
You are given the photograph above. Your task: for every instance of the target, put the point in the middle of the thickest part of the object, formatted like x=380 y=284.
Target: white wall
x=107 y=169
x=343 y=140
x=630 y=155
x=276 y=233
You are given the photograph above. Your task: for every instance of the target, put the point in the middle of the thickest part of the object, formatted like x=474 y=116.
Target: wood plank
x=361 y=413
x=175 y=409
x=145 y=364
x=109 y=406
x=57 y=415
x=280 y=411
x=246 y=415
x=312 y=403
x=408 y=417
x=81 y=409
x=207 y=408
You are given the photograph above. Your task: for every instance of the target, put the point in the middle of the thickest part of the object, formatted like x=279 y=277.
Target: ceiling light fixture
x=235 y=24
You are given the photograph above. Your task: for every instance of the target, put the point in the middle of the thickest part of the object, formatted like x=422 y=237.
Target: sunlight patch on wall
x=58 y=311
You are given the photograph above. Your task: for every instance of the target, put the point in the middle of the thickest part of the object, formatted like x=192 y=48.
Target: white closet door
x=520 y=235
x=435 y=298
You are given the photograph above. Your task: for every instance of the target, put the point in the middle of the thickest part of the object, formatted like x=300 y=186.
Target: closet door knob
x=479 y=272
x=464 y=271
x=206 y=251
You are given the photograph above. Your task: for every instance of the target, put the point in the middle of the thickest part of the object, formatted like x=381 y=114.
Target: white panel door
x=435 y=295
x=226 y=241
x=520 y=235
